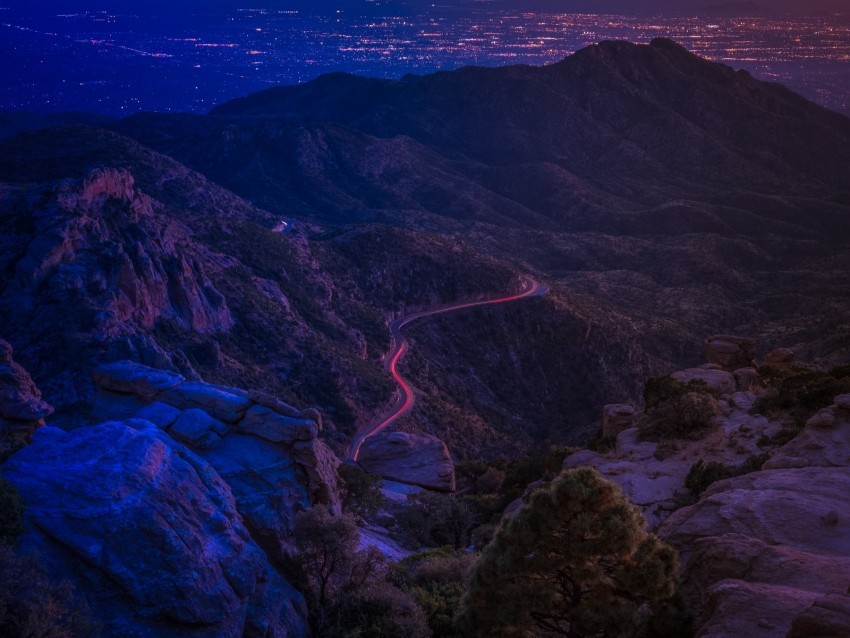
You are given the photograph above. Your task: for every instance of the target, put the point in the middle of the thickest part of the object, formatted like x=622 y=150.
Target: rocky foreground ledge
x=184 y=497
x=764 y=554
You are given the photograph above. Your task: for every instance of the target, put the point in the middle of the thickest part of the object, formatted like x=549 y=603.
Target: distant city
x=120 y=63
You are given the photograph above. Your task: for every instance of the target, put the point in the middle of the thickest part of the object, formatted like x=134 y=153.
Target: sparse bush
x=687 y=416
x=801 y=392
x=490 y=482
x=378 y=610
x=702 y=474
x=437 y=580
x=347 y=590
x=438 y=519
x=676 y=410
x=360 y=491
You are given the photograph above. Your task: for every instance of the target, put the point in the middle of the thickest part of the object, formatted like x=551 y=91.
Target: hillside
x=660 y=196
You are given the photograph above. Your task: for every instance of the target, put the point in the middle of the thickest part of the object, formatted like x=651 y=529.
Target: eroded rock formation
x=122 y=504
x=415 y=459
x=206 y=417
x=762 y=549
x=22 y=409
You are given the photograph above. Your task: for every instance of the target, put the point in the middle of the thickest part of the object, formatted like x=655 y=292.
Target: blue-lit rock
x=132 y=507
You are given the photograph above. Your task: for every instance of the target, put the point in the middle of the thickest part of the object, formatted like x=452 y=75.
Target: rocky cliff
x=175 y=516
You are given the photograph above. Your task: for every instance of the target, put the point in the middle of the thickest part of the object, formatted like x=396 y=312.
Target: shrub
x=802 y=392
x=360 y=491
x=437 y=580
x=702 y=474
x=378 y=610
x=574 y=561
x=687 y=416
x=435 y=519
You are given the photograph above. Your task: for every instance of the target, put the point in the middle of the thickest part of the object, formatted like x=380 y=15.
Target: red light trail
x=404 y=402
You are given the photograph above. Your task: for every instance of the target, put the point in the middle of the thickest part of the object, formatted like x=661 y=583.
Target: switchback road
x=405 y=400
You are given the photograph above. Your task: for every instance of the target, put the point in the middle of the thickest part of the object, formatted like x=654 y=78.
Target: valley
x=474 y=286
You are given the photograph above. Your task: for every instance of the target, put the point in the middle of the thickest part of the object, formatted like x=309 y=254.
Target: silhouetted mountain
x=585 y=143
x=663 y=197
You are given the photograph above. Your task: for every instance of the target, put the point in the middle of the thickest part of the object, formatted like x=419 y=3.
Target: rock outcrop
x=781 y=358
x=414 y=459
x=22 y=409
x=122 y=503
x=656 y=483
x=770 y=550
x=617 y=417
x=730 y=352
x=274 y=464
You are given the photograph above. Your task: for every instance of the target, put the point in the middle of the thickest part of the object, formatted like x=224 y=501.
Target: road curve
x=405 y=400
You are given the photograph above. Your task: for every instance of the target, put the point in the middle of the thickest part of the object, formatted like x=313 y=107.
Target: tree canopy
x=575 y=561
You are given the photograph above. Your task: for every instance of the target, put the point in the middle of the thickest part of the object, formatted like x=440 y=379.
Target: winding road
x=405 y=400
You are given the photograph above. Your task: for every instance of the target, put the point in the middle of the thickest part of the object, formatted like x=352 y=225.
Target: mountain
x=662 y=197
x=171 y=285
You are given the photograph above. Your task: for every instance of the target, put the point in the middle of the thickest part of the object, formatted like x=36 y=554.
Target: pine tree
x=575 y=561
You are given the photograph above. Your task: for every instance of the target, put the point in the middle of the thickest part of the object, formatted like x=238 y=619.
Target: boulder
x=617 y=417
x=268 y=487
x=415 y=459
x=197 y=428
x=828 y=617
x=781 y=358
x=22 y=409
x=825 y=442
x=127 y=377
x=730 y=352
x=842 y=402
x=746 y=379
x=284 y=409
x=150 y=535
x=735 y=608
x=160 y=414
x=217 y=402
x=719 y=382
x=265 y=423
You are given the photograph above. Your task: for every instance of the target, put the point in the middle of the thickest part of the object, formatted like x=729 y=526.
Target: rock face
x=22 y=409
x=617 y=417
x=730 y=353
x=122 y=502
x=197 y=429
x=275 y=464
x=771 y=549
x=223 y=404
x=828 y=617
x=655 y=482
x=272 y=426
x=127 y=377
x=414 y=459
